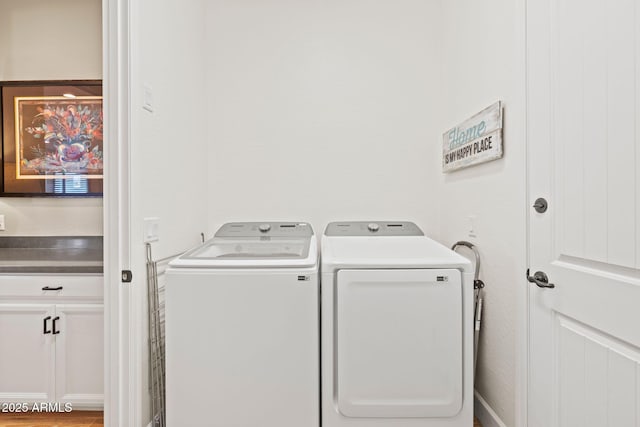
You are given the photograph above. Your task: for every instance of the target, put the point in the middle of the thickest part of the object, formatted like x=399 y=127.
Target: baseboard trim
x=485 y=414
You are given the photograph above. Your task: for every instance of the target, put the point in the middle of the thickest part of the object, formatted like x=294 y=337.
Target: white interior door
x=584 y=151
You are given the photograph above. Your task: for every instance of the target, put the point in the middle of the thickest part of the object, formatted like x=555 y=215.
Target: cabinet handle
x=49 y=288
x=55 y=332
x=44 y=325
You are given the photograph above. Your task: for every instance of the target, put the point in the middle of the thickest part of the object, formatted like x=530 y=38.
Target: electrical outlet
x=2 y=223
x=147 y=98
x=471 y=232
x=151 y=230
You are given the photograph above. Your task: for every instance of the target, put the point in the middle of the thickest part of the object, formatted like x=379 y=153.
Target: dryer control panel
x=373 y=228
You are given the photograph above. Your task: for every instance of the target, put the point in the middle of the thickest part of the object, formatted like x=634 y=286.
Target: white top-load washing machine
x=397 y=318
x=242 y=329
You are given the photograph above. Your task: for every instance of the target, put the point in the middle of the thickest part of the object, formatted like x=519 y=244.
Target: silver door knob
x=540 y=279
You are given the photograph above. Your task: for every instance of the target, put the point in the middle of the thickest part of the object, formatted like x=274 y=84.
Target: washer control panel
x=373 y=228
x=260 y=229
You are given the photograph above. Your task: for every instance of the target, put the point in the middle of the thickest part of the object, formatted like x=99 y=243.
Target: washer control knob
x=264 y=227
x=373 y=227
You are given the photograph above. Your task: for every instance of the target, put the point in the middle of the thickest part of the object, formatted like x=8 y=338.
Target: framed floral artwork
x=52 y=139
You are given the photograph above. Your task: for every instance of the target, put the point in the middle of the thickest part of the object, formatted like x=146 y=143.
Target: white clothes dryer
x=397 y=328
x=242 y=329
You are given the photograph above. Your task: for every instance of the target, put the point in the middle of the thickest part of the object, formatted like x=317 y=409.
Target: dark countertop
x=57 y=255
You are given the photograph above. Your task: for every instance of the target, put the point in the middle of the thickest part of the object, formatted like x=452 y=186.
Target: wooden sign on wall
x=476 y=140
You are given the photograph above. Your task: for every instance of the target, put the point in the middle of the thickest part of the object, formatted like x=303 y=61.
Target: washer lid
x=251 y=248
x=255 y=244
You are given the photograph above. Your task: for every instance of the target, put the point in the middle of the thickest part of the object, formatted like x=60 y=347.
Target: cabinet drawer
x=46 y=287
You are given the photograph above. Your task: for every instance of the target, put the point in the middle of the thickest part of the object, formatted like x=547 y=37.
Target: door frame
x=121 y=400
x=523 y=318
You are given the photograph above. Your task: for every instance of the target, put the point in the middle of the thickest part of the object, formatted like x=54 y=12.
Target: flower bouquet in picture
x=58 y=137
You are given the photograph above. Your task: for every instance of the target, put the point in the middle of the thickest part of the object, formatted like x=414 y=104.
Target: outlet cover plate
x=151 y=229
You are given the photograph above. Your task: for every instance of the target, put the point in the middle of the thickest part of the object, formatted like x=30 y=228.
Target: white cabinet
x=51 y=341
x=79 y=354
x=26 y=353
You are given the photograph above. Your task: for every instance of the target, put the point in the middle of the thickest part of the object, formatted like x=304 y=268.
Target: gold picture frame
x=52 y=139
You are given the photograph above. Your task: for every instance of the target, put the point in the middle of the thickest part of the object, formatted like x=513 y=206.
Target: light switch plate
x=2 y=223
x=151 y=230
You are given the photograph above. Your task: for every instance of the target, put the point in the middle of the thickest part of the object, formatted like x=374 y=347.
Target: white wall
x=322 y=110
x=169 y=146
x=326 y=110
x=335 y=110
x=51 y=40
x=483 y=61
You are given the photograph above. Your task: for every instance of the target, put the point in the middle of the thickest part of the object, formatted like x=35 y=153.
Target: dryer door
x=398 y=343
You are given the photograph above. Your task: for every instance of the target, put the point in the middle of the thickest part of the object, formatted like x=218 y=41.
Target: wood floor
x=73 y=419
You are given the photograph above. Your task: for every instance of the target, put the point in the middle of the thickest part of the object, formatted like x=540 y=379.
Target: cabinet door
x=79 y=355
x=26 y=358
